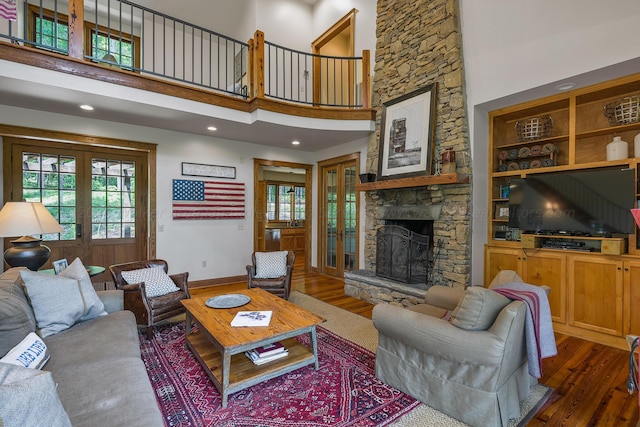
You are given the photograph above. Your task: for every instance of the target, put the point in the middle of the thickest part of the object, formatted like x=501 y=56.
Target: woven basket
x=623 y=111
x=534 y=128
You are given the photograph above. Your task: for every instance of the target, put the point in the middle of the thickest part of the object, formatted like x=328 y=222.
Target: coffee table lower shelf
x=243 y=372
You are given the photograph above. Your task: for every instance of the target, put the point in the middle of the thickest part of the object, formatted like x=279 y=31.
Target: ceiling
x=45 y=90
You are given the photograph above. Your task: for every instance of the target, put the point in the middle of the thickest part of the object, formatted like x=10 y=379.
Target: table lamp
x=26 y=219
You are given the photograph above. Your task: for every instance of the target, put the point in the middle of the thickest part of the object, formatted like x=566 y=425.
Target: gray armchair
x=476 y=376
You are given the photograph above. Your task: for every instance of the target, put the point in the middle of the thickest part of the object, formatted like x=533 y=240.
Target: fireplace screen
x=401 y=254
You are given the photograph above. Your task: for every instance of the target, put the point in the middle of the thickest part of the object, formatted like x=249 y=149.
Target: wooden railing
x=169 y=48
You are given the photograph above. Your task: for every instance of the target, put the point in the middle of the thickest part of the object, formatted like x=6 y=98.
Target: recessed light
x=212 y=128
x=86 y=107
x=565 y=86
x=296 y=142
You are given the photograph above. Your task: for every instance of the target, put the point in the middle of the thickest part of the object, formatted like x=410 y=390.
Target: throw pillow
x=270 y=265
x=92 y=302
x=31 y=352
x=478 y=309
x=16 y=314
x=28 y=397
x=156 y=281
x=56 y=301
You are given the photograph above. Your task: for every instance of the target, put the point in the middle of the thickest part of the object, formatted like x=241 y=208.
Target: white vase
x=617 y=149
x=636 y=146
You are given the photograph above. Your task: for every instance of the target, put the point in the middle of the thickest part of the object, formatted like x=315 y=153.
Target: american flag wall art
x=207 y=199
x=8 y=10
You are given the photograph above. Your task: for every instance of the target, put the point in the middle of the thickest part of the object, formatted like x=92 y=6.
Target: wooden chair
x=150 y=310
x=280 y=286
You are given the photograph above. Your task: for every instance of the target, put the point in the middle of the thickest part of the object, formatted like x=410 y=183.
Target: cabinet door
x=632 y=297
x=497 y=259
x=595 y=294
x=550 y=269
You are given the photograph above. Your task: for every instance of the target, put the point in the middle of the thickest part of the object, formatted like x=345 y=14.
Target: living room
x=512 y=53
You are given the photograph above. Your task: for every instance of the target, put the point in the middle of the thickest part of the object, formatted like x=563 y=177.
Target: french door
x=338 y=223
x=99 y=195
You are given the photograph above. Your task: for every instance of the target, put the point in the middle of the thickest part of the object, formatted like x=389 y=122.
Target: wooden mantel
x=416 y=181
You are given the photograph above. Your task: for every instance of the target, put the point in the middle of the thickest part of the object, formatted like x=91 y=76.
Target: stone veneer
x=419 y=43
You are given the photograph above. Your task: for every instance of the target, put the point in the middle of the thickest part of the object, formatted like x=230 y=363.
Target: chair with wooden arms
x=141 y=295
x=265 y=273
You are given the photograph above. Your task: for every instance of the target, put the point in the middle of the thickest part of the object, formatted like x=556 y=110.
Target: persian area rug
x=342 y=392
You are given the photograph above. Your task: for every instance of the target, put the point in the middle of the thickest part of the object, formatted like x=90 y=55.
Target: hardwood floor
x=589 y=379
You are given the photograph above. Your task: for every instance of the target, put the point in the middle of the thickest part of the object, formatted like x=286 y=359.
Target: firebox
x=402 y=254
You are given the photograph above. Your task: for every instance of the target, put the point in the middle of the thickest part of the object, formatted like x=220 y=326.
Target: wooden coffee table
x=220 y=348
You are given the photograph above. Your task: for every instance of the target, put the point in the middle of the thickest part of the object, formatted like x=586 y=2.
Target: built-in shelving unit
x=595 y=289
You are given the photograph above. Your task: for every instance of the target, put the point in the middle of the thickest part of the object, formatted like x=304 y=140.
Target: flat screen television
x=588 y=203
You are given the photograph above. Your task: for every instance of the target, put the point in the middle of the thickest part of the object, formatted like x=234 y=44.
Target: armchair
x=477 y=374
x=279 y=285
x=149 y=310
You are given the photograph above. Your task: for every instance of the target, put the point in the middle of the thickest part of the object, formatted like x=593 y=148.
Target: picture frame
x=502 y=211
x=407 y=133
x=212 y=171
x=60 y=265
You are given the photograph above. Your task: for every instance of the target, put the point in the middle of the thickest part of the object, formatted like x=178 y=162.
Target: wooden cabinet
x=550 y=269
x=595 y=298
x=292 y=239
x=595 y=294
x=539 y=268
x=631 y=282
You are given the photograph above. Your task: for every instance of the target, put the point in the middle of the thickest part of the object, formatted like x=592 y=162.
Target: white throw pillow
x=56 y=301
x=93 y=304
x=28 y=397
x=156 y=281
x=270 y=265
x=31 y=352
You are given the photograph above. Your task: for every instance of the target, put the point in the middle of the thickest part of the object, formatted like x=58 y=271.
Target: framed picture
x=502 y=211
x=213 y=171
x=406 y=134
x=60 y=265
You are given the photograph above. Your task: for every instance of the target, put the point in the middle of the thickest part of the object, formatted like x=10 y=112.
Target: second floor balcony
x=58 y=51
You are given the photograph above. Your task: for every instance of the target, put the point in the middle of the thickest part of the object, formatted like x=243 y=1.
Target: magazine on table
x=251 y=354
x=252 y=318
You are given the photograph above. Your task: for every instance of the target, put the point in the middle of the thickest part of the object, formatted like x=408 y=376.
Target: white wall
x=511 y=48
x=225 y=245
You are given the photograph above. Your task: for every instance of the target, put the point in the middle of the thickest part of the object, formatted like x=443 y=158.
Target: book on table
x=267 y=353
x=252 y=318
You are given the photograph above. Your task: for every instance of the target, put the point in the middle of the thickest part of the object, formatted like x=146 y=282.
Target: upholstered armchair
x=271 y=271
x=462 y=352
x=149 y=292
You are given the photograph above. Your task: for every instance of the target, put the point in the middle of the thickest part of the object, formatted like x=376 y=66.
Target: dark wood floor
x=589 y=380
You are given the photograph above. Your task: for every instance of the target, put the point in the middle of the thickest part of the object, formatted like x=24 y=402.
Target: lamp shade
x=26 y=218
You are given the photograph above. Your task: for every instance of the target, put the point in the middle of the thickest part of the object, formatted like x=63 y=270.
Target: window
x=49 y=29
x=51 y=180
x=113 y=190
x=284 y=204
x=113 y=47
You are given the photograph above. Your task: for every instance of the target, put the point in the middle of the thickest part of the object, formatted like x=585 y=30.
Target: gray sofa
x=96 y=364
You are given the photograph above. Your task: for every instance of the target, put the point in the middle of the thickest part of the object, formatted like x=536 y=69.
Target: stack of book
x=267 y=353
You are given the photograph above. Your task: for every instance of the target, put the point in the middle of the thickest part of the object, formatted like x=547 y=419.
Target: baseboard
x=217 y=282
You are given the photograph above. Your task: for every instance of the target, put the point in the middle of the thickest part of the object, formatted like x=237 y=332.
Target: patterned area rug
x=343 y=392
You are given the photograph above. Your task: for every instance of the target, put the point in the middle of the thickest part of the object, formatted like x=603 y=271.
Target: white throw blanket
x=539 y=337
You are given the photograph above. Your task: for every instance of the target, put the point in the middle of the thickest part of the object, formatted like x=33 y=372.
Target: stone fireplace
x=409 y=57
